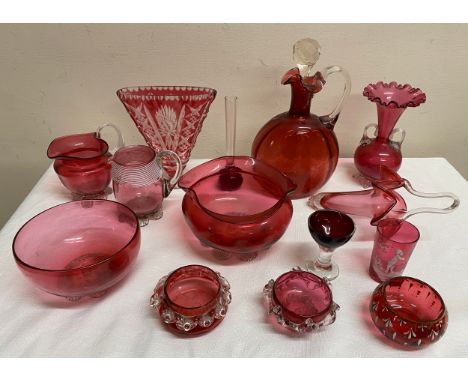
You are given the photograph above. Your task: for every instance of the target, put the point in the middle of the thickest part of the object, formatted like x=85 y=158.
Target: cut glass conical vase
x=168 y=117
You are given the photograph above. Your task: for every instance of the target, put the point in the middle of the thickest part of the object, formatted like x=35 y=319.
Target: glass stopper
x=306 y=53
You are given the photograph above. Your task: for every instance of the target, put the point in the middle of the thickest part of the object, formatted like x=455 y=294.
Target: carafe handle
x=330 y=119
x=169 y=183
x=120 y=140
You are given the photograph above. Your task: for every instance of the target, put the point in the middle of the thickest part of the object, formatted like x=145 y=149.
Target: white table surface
x=121 y=324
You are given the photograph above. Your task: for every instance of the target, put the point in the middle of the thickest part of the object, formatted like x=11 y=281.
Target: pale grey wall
x=61 y=79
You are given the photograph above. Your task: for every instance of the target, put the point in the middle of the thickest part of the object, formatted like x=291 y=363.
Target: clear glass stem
x=323 y=266
x=230 y=113
x=324 y=259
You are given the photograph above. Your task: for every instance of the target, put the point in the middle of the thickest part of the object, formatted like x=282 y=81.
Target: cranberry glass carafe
x=303 y=145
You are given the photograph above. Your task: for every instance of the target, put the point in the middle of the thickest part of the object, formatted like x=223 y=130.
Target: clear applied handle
x=333 y=116
x=394 y=136
x=169 y=183
x=367 y=128
x=366 y=138
x=120 y=140
x=430 y=210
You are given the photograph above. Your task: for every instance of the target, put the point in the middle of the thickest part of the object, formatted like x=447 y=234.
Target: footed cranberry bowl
x=237 y=205
x=79 y=248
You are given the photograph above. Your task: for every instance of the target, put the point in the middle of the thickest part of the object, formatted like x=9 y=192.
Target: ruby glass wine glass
x=330 y=229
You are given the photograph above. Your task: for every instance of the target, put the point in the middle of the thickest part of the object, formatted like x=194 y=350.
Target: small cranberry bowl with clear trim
x=79 y=248
x=301 y=301
x=409 y=312
x=192 y=299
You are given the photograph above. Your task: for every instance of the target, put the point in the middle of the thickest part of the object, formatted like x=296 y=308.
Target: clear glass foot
x=144 y=220
x=362 y=180
x=73 y=298
x=221 y=255
x=102 y=196
x=330 y=273
x=247 y=256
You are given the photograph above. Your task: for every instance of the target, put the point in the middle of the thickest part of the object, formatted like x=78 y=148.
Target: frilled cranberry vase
x=384 y=148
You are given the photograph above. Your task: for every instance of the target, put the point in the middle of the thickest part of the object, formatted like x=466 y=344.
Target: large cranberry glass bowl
x=409 y=312
x=191 y=300
x=301 y=301
x=78 y=249
x=237 y=204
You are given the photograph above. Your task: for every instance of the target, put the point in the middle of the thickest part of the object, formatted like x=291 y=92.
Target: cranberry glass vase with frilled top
x=384 y=149
x=302 y=145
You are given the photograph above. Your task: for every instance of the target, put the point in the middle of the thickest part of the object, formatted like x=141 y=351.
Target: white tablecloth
x=121 y=324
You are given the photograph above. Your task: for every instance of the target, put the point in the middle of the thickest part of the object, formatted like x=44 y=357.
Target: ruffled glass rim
x=374 y=92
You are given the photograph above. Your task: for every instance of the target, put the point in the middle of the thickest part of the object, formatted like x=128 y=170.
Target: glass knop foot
x=144 y=219
x=330 y=272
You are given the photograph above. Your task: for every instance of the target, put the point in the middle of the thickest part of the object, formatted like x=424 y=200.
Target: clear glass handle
x=366 y=135
x=430 y=210
x=394 y=136
x=120 y=140
x=331 y=316
x=169 y=184
x=346 y=90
